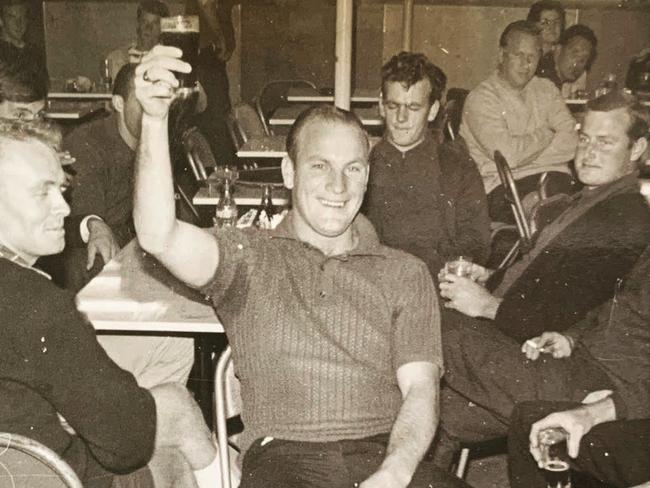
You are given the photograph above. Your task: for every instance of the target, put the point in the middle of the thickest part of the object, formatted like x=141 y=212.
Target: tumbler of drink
x=459 y=266
x=182 y=31
x=556 y=468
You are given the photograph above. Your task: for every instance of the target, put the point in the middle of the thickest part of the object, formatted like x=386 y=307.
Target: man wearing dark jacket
x=579 y=262
x=53 y=367
x=424 y=197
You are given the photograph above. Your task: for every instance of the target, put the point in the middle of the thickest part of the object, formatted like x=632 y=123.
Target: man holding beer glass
x=604 y=349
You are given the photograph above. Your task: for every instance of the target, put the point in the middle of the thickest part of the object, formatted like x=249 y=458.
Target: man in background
x=571 y=60
x=14 y=48
x=425 y=196
x=522 y=116
x=147 y=36
x=101 y=202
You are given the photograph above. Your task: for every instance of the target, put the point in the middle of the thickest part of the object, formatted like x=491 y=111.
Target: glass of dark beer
x=182 y=31
x=555 y=458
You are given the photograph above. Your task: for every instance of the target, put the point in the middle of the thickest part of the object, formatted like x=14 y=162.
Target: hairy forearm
x=154 y=212
x=413 y=430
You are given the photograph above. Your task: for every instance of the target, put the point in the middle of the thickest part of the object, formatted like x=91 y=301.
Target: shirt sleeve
x=484 y=118
x=88 y=191
x=565 y=138
x=66 y=365
x=237 y=250
x=471 y=208
x=416 y=327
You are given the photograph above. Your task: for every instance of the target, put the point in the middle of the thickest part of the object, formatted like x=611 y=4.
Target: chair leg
x=462 y=463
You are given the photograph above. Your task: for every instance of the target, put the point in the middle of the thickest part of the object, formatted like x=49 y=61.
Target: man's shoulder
x=27 y=288
x=93 y=132
x=488 y=91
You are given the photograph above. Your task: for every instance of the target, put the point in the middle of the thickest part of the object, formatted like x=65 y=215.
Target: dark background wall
x=295 y=38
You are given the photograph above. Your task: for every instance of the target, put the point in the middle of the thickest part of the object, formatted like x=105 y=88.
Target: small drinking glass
x=460 y=266
x=553 y=445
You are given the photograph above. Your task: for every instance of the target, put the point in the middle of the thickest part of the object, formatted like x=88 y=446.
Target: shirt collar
x=367 y=241
x=388 y=150
x=14 y=257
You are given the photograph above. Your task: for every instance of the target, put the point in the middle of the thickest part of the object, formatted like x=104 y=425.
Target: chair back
x=227 y=404
x=244 y=123
x=272 y=95
x=30 y=464
x=454 y=111
x=199 y=154
x=512 y=196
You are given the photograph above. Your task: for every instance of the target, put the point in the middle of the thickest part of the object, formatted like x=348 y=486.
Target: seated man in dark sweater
x=424 y=197
x=335 y=337
x=579 y=262
x=52 y=366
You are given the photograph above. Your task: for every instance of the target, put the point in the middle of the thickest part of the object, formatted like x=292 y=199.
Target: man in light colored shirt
x=148 y=33
x=523 y=117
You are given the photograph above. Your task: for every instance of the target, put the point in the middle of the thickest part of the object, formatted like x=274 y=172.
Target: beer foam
x=180 y=23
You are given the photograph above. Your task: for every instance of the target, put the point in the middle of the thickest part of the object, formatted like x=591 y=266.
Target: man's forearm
x=154 y=212
x=413 y=430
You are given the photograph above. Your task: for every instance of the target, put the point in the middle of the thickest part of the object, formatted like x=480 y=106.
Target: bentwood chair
x=228 y=403
x=27 y=463
x=272 y=95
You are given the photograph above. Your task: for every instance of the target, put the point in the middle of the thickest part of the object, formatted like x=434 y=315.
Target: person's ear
x=433 y=111
x=382 y=109
x=288 y=172
x=118 y=103
x=638 y=148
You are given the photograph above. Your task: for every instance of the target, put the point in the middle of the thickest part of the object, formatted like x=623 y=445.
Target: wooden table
x=287 y=115
x=58 y=109
x=305 y=95
x=135 y=293
x=263 y=147
x=79 y=96
x=244 y=195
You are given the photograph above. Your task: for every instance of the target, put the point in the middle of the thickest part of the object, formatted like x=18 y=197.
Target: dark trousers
x=341 y=464
x=557 y=182
x=614 y=453
x=486 y=375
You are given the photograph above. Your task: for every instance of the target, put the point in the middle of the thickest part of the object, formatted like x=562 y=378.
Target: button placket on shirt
x=329 y=267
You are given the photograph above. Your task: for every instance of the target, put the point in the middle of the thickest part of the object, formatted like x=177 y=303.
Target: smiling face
x=604 y=152
x=32 y=207
x=406 y=112
x=328 y=181
x=519 y=58
x=573 y=58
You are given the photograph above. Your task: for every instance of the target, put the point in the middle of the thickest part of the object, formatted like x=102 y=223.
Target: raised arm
x=414 y=427
x=189 y=252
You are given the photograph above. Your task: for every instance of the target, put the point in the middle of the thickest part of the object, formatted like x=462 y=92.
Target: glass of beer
x=182 y=31
x=556 y=468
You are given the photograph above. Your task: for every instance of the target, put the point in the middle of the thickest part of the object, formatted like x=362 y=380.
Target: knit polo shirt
x=317 y=339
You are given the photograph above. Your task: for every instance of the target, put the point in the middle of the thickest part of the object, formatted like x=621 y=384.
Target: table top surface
x=79 y=96
x=263 y=147
x=286 y=115
x=134 y=292
x=244 y=194
x=305 y=94
x=60 y=109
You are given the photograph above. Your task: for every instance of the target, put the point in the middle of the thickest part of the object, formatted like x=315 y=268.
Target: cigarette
x=533 y=344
